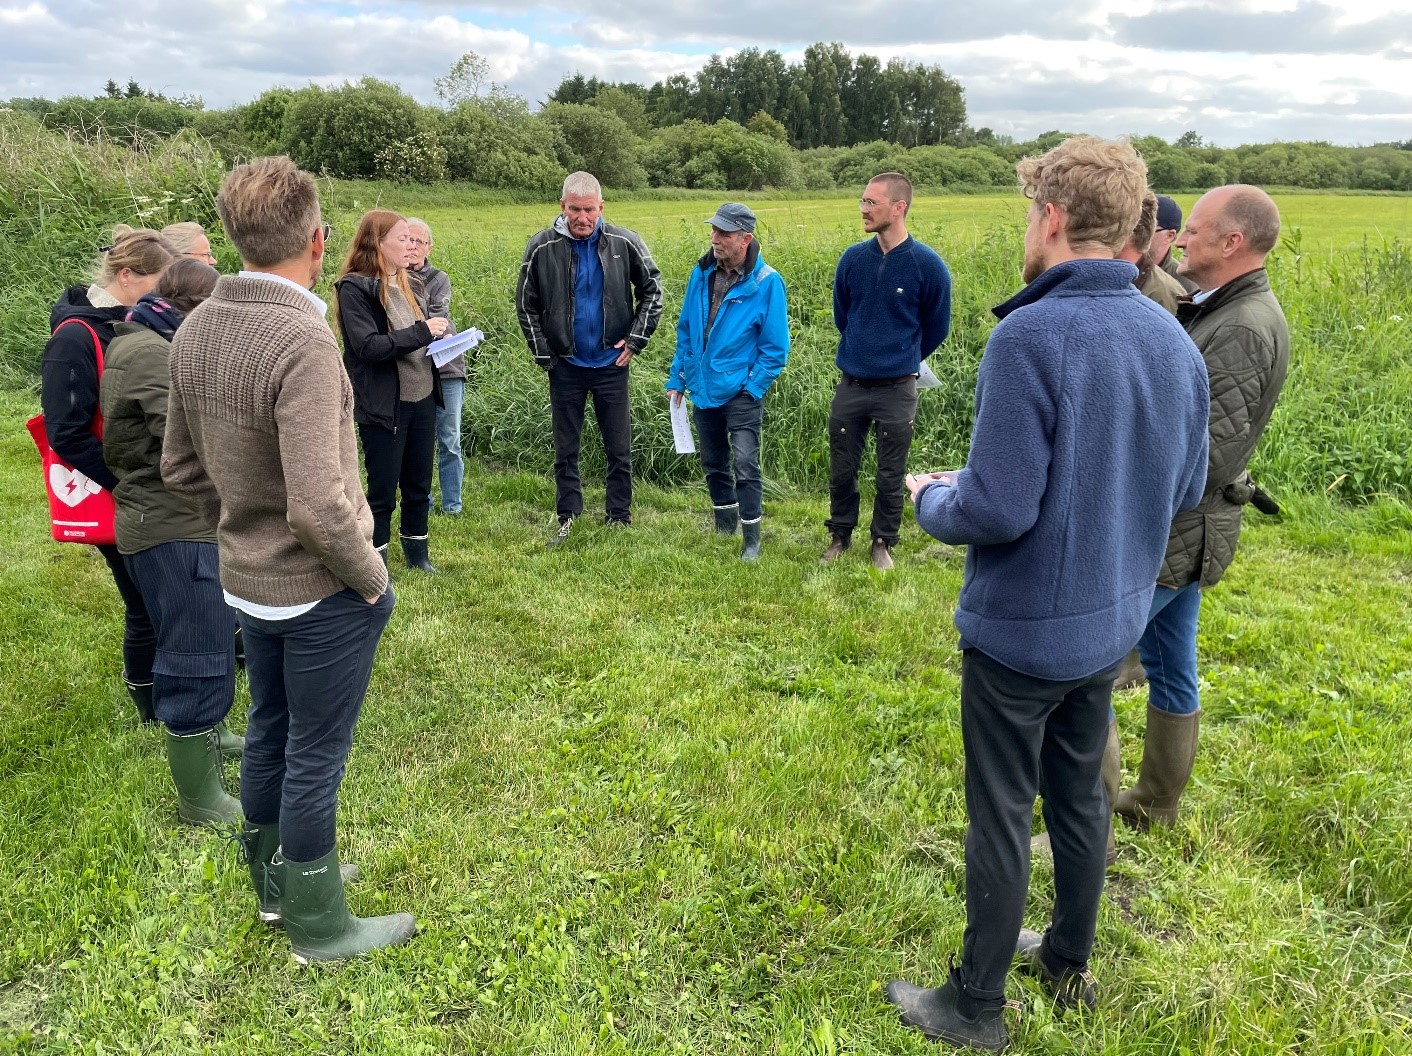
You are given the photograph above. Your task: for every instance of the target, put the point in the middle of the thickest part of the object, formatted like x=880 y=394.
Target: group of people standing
x=1102 y=493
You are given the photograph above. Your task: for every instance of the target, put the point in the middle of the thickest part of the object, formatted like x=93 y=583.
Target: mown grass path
x=644 y=799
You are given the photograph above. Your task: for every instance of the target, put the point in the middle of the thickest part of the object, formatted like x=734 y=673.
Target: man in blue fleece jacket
x=1089 y=436
x=892 y=306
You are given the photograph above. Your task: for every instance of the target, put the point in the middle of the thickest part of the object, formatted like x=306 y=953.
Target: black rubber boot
x=750 y=540
x=727 y=518
x=316 y=916
x=141 y=694
x=415 y=551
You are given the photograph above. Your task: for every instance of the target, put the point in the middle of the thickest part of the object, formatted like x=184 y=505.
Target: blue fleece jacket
x=1089 y=436
x=892 y=309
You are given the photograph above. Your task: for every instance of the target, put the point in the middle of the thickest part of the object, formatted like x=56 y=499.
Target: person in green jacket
x=170 y=551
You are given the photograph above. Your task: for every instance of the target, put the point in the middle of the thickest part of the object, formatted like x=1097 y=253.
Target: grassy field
x=645 y=799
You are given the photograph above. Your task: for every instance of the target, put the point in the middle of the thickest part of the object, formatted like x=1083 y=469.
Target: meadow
x=645 y=799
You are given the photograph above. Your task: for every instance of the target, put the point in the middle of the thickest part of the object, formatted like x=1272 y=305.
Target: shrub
x=416 y=159
x=340 y=131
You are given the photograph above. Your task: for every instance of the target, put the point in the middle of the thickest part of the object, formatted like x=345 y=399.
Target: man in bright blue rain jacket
x=732 y=343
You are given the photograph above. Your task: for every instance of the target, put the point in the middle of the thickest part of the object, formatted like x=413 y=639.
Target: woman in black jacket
x=396 y=390
x=129 y=268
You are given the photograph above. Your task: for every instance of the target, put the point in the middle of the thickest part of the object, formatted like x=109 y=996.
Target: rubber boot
x=316 y=916
x=230 y=743
x=750 y=540
x=258 y=844
x=1168 y=754
x=727 y=517
x=414 y=549
x=938 y=1013
x=837 y=545
x=141 y=694
x=1131 y=673
x=195 y=762
x=1112 y=774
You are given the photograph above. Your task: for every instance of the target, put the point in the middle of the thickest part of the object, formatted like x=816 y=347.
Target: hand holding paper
x=448 y=348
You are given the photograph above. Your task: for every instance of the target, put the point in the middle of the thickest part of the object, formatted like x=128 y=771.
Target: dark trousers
x=401 y=458
x=889 y=410
x=730 y=434
x=1024 y=735
x=308 y=677
x=139 y=636
x=569 y=387
x=194 y=672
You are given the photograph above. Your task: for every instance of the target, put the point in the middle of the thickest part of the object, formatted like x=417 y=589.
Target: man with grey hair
x=588 y=297
x=433 y=291
x=1241 y=332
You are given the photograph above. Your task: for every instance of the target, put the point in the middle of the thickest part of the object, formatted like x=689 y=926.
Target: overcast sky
x=1237 y=71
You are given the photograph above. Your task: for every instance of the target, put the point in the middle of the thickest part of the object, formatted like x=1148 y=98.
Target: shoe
x=141 y=694
x=837 y=545
x=1168 y=755
x=1112 y=774
x=750 y=540
x=727 y=518
x=882 y=556
x=316 y=916
x=195 y=763
x=1070 y=987
x=934 y=1012
x=414 y=549
x=1130 y=672
x=559 y=537
x=616 y=522
x=258 y=844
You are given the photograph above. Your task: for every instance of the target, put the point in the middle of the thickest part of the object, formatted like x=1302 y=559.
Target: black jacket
x=370 y=351
x=544 y=294
x=69 y=383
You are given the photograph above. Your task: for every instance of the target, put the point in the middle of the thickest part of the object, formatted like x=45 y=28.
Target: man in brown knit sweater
x=260 y=435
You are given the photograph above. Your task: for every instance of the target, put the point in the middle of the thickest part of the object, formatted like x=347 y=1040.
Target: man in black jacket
x=588 y=297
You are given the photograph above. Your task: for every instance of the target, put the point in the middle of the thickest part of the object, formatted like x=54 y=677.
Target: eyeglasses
x=420 y=241
x=324 y=229
x=868 y=203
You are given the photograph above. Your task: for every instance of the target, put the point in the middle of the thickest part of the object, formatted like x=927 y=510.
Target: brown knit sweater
x=260 y=435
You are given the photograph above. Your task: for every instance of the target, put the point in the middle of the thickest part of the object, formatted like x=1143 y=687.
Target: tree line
x=747 y=122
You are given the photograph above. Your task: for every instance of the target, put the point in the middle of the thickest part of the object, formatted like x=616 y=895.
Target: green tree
x=631 y=107
x=596 y=141
x=341 y=130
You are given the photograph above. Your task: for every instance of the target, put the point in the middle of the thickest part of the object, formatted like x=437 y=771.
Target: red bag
x=80 y=511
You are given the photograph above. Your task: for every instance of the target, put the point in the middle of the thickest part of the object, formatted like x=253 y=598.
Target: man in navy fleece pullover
x=892 y=306
x=1089 y=436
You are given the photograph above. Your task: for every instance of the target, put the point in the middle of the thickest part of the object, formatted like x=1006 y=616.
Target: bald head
x=1230 y=231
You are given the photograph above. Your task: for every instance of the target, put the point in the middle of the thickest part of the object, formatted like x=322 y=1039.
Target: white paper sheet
x=448 y=348
x=926 y=379
x=681 y=428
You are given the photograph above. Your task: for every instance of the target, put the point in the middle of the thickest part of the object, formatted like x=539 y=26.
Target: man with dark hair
x=1169 y=225
x=1241 y=332
x=588 y=297
x=1083 y=381
x=737 y=301
x=260 y=435
x=892 y=307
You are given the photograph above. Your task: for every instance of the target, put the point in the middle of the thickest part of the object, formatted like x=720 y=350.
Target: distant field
x=1324 y=222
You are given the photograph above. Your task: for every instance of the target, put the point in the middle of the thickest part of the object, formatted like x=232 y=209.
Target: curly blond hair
x=1099 y=185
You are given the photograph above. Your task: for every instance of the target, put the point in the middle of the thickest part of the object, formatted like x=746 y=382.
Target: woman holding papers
x=396 y=390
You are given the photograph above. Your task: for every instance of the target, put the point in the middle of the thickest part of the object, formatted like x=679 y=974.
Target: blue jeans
x=1168 y=650
x=308 y=677
x=732 y=432
x=450 y=468
x=193 y=674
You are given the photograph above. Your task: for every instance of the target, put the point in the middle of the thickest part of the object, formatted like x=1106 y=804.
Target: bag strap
x=97 y=342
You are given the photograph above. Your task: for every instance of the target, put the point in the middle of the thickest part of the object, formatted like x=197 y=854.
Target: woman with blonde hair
x=189 y=239
x=396 y=390
x=85 y=316
x=170 y=551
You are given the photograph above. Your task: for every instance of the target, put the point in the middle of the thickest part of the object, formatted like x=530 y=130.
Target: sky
x=1235 y=71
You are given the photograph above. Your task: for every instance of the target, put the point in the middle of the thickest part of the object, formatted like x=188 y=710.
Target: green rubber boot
x=195 y=762
x=1168 y=754
x=259 y=843
x=230 y=743
x=316 y=916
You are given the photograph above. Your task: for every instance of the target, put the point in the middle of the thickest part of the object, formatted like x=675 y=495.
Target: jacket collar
x=1257 y=281
x=1072 y=277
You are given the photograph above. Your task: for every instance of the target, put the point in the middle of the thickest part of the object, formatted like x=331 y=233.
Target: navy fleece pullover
x=1089 y=436
x=892 y=309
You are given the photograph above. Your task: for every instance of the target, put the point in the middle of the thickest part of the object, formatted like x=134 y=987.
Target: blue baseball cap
x=1169 y=214
x=732 y=216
